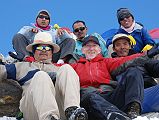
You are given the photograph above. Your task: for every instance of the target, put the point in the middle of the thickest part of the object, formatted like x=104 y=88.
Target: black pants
x=66 y=50
x=148 y=79
x=130 y=88
x=19 y=45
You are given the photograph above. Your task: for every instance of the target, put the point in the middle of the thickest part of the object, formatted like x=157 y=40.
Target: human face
x=43 y=20
x=91 y=50
x=127 y=22
x=122 y=47
x=43 y=54
x=81 y=33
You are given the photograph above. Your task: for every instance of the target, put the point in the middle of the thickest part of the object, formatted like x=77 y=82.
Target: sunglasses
x=42 y=17
x=40 y=48
x=79 y=29
x=123 y=17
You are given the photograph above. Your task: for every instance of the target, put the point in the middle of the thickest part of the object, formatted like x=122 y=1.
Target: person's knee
x=133 y=71
x=17 y=37
x=66 y=68
x=70 y=40
x=42 y=76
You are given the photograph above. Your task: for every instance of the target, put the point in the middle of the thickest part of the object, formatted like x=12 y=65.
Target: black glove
x=52 y=76
x=153 y=51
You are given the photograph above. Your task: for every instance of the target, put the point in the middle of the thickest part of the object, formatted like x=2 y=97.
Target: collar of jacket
x=137 y=28
x=96 y=59
x=131 y=52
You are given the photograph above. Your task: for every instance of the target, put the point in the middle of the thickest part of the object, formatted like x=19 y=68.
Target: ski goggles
x=41 y=48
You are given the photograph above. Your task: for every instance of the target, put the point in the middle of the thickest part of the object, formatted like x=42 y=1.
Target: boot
x=133 y=110
x=76 y=113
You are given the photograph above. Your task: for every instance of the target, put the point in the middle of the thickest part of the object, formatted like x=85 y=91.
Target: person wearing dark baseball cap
x=90 y=38
x=99 y=92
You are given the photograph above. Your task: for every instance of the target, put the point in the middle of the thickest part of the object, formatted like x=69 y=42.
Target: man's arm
x=135 y=62
x=152 y=67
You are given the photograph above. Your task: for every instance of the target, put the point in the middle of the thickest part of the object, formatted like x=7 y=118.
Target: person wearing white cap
x=49 y=92
x=128 y=25
x=26 y=34
x=122 y=46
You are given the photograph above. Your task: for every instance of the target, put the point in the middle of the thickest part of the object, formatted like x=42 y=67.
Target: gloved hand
x=52 y=76
x=153 y=51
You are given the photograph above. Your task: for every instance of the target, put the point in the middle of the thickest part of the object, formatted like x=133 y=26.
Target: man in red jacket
x=102 y=97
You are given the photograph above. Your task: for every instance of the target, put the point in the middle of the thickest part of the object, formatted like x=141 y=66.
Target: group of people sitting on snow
x=75 y=76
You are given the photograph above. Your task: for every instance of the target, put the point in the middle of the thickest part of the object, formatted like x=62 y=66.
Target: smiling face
x=43 y=54
x=91 y=50
x=121 y=47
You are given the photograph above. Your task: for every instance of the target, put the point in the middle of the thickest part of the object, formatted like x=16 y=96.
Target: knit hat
x=43 y=11
x=43 y=38
x=90 y=38
x=126 y=37
x=123 y=13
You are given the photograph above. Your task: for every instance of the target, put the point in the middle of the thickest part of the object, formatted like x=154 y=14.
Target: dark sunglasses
x=40 y=48
x=42 y=16
x=123 y=17
x=79 y=29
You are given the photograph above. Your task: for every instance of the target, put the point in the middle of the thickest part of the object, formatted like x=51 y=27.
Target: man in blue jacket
x=129 y=26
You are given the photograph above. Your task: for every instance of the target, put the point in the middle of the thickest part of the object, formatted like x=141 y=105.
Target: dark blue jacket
x=140 y=34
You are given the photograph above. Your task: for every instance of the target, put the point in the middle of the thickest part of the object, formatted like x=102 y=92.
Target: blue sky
x=99 y=15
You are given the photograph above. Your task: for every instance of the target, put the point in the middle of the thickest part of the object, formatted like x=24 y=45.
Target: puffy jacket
x=26 y=31
x=141 y=36
x=24 y=71
x=101 y=42
x=98 y=70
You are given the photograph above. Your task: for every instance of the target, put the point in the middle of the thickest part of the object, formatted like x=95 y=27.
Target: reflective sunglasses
x=42 y=16
x=79 y=29
x=40 y=48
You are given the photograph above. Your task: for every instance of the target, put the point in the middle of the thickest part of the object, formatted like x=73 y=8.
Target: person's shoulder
x=139 y=26
x=96 y=34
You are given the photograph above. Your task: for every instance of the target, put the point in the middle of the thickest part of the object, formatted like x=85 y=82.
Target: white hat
x=128 y=37
x=43 y=38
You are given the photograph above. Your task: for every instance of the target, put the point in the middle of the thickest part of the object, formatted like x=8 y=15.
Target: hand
x=60 y=31
x=34 y=30
x=153 y=51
